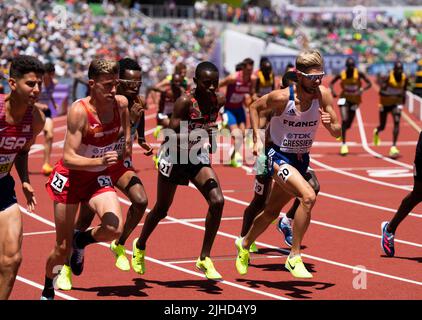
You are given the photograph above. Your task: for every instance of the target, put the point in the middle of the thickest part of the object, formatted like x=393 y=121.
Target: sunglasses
x=312 y=76
x=131 y=83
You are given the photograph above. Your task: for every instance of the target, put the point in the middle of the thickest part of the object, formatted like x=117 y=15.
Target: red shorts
x=74 y=186
x=119 y=169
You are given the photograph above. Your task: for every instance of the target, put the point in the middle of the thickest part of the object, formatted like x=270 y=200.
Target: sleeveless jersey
x=99 y=137
x=393 y=94
x=265 y=86
x=351 y=86
x=13 y=137
x=294 y=131
x=236 y=92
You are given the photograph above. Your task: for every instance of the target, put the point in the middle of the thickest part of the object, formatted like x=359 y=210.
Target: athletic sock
x=84 y=238
x=286 y=220
x=48 y=291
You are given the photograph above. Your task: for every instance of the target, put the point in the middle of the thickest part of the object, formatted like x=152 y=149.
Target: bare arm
x=227 y=80
x=124 y=116
x=332 y=83
x=328 y=115
x=365 y=78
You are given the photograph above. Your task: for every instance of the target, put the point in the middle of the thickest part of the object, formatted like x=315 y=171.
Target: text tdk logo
x=12 y=143
x=300 y=123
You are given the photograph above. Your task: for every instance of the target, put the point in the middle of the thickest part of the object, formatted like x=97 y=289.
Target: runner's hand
x=325 y=117
x=257 y=147
x=110 y=158
x=29 y=195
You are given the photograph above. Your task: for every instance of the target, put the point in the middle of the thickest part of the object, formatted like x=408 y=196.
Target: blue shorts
x=274 y=155
x=235 y=116
x=7 y=195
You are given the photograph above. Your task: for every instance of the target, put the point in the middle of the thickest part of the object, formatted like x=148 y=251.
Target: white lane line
x=359 y=177
x=369 y=150
x=227 y=235
x=166 y=264
x=41 y=287
x=38 y=233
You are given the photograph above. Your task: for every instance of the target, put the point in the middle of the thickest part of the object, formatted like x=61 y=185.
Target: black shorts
x=180 y=174
x=418 y=160
x=47 y=113
x=7 y=194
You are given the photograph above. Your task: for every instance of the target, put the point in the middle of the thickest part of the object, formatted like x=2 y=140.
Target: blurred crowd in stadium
x=72 y=40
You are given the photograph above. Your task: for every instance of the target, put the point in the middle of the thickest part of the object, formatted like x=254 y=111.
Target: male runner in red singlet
x=93 y=126
x=240 y=90
x=198 y=110
x=122 y=175
x=20 y=123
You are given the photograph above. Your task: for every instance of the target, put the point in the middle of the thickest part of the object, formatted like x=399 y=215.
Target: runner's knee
x=308 y=199
x=216 y=203
x=112 y=225
x=11 y=262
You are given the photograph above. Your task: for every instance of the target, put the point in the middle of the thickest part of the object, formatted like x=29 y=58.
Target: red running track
x=342 y=246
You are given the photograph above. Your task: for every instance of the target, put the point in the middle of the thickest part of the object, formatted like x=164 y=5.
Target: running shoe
x=77 y=257
x=47 y=169
x=253 y=248
x=138 y=259
x=119 y=251
x=45 y=298
x=286 y=230
x=64 y=280
x=155 y=159
x=377 y=140
x=344 y=150
x=242 y=259
x=387 y=240
x=394 y=152
x=236 y=161
x=297 y=268
x=208 y=268
x=157 y=131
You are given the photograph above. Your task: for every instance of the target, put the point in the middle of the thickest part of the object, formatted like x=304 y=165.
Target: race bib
x=284 y=172
x=341 y=101
x=259 y=188
x=165 y=167
x=58 y=182
x=236 y=98
x=6 y=162
x=104 y=181
x=127 y=163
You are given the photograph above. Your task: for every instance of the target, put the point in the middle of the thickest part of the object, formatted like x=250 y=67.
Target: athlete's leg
x=396 y=113
x=10 y=248
x=313 y=181
x=407 y=204
x=262 y=190
x=85 y=217
x=131 y=185
x=48 y=142
x=165 y=196
x=207 y=182
x=344 y=111
x=64 y=218
x=383 y=120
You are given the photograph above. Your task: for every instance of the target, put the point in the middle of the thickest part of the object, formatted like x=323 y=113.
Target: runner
x=197 y=109
x=122 y=175
x=388 y=229
x=45 y=102
x=392 y=98
x=350 y=97
x=240 y=90
x=93 y=126
x=20 y=123
x=266 y=81
x=291 y=133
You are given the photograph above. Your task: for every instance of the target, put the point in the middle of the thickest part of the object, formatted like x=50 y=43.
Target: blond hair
x=102 y=66
x=309 y=59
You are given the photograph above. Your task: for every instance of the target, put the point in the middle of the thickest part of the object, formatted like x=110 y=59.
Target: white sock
x=286 y=220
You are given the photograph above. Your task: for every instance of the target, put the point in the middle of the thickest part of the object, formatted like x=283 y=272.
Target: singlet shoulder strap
x=292 y=93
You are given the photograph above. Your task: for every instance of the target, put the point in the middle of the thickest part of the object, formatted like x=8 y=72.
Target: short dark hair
x=205 y=65
x=49 y=67
x=239 y=66
x=128 y=64
x=24 y=64
x=248 y=61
